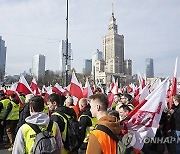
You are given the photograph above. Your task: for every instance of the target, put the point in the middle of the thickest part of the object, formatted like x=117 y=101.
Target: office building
x=2 y=59
x=149 y=68
x=38 y=66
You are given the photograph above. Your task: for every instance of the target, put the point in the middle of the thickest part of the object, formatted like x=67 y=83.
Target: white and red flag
x=141 y=96
x=142 y=81
x=23 y=86
x=34 y=87
x=145 y=117
x=75 y=89
x=58 y=89
x=87 y=91
x=174 y=85
x=12 y=90
x=113 y=92
x=112 y=83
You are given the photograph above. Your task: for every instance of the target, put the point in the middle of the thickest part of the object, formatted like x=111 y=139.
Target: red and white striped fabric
x=174 y=85
x=75 y=89
x=141 y=96
x=144 y=118
x=23 y=86
x=87 y=91
x=58 y=89
x=34 y=87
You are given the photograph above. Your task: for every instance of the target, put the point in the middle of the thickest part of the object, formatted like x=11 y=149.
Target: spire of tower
x=112 y=10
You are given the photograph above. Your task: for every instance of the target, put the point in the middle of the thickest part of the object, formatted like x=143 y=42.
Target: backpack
x=73 y=140
x=45 y=142
x=120 y=147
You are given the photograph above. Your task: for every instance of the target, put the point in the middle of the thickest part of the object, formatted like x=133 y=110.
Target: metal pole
x=67 y=56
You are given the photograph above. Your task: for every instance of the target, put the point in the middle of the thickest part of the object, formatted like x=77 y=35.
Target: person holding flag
x=175 y=121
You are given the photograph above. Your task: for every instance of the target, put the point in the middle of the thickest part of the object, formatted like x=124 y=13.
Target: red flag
x=142 y=81
x=44 y=90
x=141 y=96
x=112 y=83
x=146 y=116
x=34 y=87
x=58 y=89
x=87 y=91
x=113 y=92
x=174 y=85
x=23 y=86
x=75 y=88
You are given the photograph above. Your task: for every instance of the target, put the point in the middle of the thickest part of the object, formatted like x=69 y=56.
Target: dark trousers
x=1 y=131
x=10 y=130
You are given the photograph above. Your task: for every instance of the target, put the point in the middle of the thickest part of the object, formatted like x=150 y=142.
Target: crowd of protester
x=89 y=113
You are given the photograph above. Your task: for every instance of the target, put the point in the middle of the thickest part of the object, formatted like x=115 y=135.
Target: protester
x=126 y=99
x=99 y=141
x=116 y=102
x=175 y=121
x=114 y=113
x=3 y=104
x=69 y=102
x=87 y=123
x=25 y=112
x=55 y=103
x=123 y=112
x=26 y=135
x=10 y=119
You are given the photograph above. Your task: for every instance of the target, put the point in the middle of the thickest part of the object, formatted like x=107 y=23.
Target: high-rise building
x=63 y=57
x=149 y=68
x=96 y=56
x=113 y=49
x=2 y=59
x=87 y=66
x=38 y=66
x=128 y=67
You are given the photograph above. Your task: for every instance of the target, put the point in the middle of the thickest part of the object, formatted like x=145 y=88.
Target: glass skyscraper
x=2 y=59
x=149 y=68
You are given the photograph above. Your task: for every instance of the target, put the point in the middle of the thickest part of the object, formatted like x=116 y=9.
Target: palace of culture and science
x=112 y=60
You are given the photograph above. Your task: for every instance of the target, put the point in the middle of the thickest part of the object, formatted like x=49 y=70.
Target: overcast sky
x=151 y=29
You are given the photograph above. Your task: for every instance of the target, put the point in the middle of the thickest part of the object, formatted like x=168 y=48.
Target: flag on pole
x=87 y=91
x=145 y=117
x=34 y=87
x=141 y=96
x=23 y=86
x=174 y=85
x=75 y=88
x=58 y=89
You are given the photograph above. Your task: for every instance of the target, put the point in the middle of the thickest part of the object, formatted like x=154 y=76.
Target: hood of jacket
x=112 y=123
x=39 y=118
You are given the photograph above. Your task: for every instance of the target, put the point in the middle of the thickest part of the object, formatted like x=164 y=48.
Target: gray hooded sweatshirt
x=40 y=119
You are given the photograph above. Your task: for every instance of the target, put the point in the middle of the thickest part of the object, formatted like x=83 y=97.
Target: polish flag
x=58 y=89
x=75 y=88
x=145 y=117
x=34 y=87
x=87 y=90
x=113 y=92
x=44 y=90
x=49 y=92
x=142 y=81
x=174 y=85
x=141 y=96
x=112 y=83
x=12 y=90
x=23 y=86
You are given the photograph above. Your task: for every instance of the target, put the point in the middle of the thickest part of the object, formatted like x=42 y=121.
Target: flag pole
x=67 y=56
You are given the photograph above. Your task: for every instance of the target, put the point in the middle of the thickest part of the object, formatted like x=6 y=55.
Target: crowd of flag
x=149 y=99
